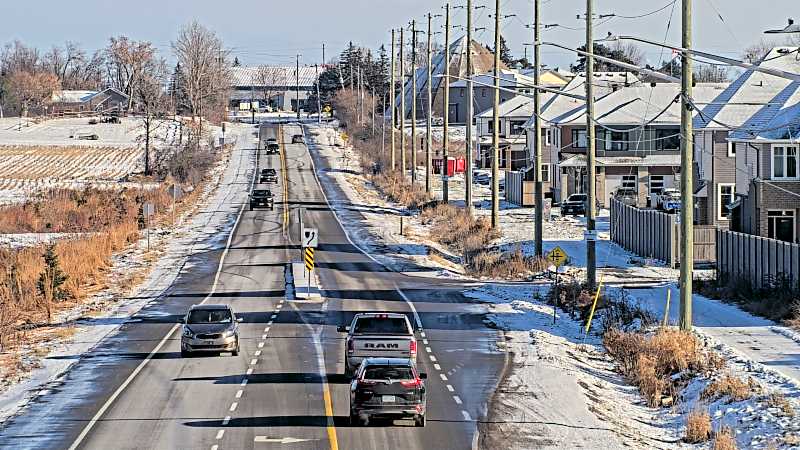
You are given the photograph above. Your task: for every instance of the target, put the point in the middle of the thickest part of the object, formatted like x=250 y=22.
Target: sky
x=273 y=32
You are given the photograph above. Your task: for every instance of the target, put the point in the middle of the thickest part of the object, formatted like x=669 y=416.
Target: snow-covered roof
x=758 y=105
x=520 y=106
x=72 y=96
x=508 y=78
x=275 y=76
x=625 y=161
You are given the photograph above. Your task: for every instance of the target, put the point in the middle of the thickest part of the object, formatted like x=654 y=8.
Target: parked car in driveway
x=372 y=335
x=390 y=388
x=627 y=196
x=575 y=204
x=210 y=328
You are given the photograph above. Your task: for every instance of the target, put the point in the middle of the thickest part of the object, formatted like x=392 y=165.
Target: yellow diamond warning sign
x=557 y=257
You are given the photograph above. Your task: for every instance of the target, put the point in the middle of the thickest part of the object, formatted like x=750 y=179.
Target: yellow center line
x=326 y=395
x=285 y=179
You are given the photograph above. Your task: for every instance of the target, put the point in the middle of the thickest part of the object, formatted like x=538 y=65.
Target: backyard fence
x=764 y=262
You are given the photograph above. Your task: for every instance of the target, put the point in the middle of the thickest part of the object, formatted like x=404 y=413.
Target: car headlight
x=228 y=333
x=187 y=332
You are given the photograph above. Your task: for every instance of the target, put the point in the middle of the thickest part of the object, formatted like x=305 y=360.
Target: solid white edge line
x=171 y=331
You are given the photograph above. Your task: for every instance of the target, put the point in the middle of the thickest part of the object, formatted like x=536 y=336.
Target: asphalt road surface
x=285 y=389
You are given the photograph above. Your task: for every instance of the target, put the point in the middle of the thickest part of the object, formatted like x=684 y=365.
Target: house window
x=547 y=133
x=461 y=93
x=490 y=123
x=517 y=127
x=656 y=184
x=668 y=139
x=784 y=162
x=545 y=173
x=780 y=225
x=629 y=182
x=612 y=140
x=578 y=138
x=731 y=149
x=725 y=192
x=483 y=92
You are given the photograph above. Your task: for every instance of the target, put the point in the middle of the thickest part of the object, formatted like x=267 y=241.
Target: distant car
x=268 y=176
x=481 y=177
x=297 y=139
x=210 y=328
x=261 y=198
x=273 y=148
x=575 y=204
x=627 y=196
x=388 y=388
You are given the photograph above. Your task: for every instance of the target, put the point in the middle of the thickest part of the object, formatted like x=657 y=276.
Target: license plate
x=388 y=398
x=208 y=342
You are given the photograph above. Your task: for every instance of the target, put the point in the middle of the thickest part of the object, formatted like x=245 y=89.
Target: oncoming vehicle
x=374 y=335
x=297 y=139
x=389 y=388
x=273 y=148
x=261 y=198
x=268 y=176
x=575 y=204
x=210 y=328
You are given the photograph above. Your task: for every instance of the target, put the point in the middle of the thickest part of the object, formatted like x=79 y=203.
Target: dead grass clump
x=397 y=189
x=724 y=439
x=732 y=387
x=650 y=362
x=496 y=264
x=457 y=229
x=778 y=400
x=698 y=427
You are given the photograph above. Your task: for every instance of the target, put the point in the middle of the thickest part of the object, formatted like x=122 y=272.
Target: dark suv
x=574 y=204
x=387 y=388
x=261 y=198
x=273 y=148
x=297 y=139
x=268 y=176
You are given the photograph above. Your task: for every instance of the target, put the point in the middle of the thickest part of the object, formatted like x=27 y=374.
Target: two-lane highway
x=286 y=388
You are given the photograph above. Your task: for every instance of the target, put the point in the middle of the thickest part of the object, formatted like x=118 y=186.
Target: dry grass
x=732 y=387
x=724 y=439
x=495 y=264
x=698 y=427
x=778 y=400
x=650 y=362
x=457 y=229
x=400 y=191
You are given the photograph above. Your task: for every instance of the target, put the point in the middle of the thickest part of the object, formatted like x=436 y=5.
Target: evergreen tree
x=51 y=280
x=236 y=62
x=505 y=53
x=177 y=89
x=618 y=54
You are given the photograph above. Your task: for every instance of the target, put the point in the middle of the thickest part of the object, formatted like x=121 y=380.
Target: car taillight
x=350 y=346
x=366 y=383
x=413 y=347
x=410 y=384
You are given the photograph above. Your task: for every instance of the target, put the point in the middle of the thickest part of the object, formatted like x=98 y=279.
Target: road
x=286 y=388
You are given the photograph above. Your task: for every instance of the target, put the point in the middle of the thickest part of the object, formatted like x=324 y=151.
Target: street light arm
x=624 y=65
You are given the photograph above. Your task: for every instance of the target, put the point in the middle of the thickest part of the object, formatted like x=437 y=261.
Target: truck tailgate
x=382 y=346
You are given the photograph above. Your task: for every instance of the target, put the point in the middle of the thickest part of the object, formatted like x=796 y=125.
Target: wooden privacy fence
x=762 y=261
x=655 y=234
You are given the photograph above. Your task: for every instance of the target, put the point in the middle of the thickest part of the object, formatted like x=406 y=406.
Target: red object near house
x=454 y=166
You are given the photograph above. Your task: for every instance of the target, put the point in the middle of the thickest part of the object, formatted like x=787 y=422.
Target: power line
x=672 y=3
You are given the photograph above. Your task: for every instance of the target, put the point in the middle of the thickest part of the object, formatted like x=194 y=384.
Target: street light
x=791 y=28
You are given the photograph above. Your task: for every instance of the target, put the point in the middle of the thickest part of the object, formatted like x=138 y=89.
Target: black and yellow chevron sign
x=308 y=257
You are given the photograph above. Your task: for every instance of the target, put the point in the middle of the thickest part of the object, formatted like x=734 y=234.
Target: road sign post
x=310 y=242
x=557 y=257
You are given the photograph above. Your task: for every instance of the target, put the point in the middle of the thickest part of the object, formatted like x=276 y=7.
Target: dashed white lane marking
x=244 y=382
x=253 y=362
x=233 y=406
x=239 y=393
x=215 y=447
x=226 y=420
x=220 y=433
x=422 y=333
x=433 y=358
x=437 y=367
x=273 y=316
x=249 y=371
x=270 y=324
x=457 y=399
x=443 y=377
x=263 y=336
x=425 y=341
x=260 y=345
x=280 y=305
x=466 y=416
x=428 y=349
x=257 y=353
x=450 y=388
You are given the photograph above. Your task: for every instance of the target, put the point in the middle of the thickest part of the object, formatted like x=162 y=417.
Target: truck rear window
x=374 y=325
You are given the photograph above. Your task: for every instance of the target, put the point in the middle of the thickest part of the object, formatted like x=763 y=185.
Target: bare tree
x=126 y=63
x=710 y=74
x=205 y=67
x=755 y=52
x=629 y=52
x=153 y=103
x=31 y=89
x=268 y=77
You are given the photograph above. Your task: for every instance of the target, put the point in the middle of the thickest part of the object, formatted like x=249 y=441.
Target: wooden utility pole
x=413 y=101
x=428 y=133
x=319 y=101
x=392 y=104
x=537 y=130
x=495 y=122
x=402 y=105
x=372 y=111
x=687 y=190
x=470 y=115
x=446 y=137
x=591 y=173
x=297 y=85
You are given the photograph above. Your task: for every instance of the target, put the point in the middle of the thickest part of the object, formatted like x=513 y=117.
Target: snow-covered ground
x=64 y=132
x=19 y=240
x=200 y=230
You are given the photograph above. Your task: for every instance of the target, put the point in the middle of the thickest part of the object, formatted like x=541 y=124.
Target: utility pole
x=323 y=53
x=319 y=101
x=591 y=250
x=393 y=97
x=537 y=129
x=446 y=137
x=297 y=85
x=428 y=133
x=413 y=101
x=372 y=111
x=470 y=114
x=687 y=191
x=402 y=106
x=495 y=122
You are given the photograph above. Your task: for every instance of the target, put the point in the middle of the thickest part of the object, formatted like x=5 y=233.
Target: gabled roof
x=759 y=106
x=656 y=160
x=508 y=78
x=72 y=96
x=276 y=76
x=520 y=106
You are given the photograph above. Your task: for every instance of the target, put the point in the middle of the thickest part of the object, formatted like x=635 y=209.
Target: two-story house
x=637 y=140
x=483 y=94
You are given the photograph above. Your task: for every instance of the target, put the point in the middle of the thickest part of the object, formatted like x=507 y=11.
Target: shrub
x=724 y=439
x=698 y=427
x=732 y=387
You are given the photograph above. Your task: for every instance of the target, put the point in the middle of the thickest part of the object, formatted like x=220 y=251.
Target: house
x=483 y=94
x=276 y=87
x=79 y=102
x=637 y=140
x=755 y=124
x=553 y=78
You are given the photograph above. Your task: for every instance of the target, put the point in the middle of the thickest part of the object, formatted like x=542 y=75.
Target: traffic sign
x=308 y=258
x=310 y=237
x=557 y=257
x=590 y=235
